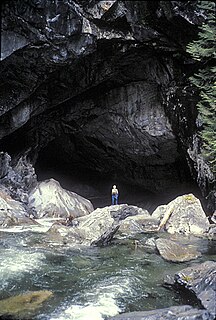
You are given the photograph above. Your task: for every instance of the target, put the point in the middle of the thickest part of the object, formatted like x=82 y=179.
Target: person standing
x=114 y=195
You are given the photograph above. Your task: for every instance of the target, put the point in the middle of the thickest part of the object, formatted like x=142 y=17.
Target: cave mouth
x=75 y=172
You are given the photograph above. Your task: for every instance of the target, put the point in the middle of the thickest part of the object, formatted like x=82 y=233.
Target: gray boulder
x=133 y=219
x=183 y=215
x=175 y=252
x=139 y=221
x=132 y=225
x=201 y=280
x=106 y=237
x=49 y=199
x=96 y=228
x=12 y=212
x=173 y=313
x=99 y=227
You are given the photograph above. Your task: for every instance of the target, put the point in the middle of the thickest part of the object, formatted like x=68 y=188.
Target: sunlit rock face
x=12 y=212
x=91 y=86
x=49 y=199
x=183 y=215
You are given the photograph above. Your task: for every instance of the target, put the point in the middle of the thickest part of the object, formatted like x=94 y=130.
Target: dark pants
x=114 y=199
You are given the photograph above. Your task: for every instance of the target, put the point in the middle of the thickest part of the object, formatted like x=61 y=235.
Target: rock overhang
x=88 y=80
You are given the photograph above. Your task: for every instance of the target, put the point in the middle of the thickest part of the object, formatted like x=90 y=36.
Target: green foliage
x=203 y=50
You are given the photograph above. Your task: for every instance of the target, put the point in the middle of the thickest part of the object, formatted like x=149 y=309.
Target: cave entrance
x=65 y=165
x=64 y=160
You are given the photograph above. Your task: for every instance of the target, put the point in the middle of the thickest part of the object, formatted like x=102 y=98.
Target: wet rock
x=146 y=245
x=175 y=252
x=172 y=313
x=55 y=235
x=183 y=215
x=200 y=279
x=49 y=199
x=23 y=304
x=12 y=212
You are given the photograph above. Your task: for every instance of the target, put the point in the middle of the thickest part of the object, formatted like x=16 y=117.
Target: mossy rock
x=186 y=278
x=21 y=304
x=190 y=198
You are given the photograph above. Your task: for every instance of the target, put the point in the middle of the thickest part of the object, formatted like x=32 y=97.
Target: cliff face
x=102 y=86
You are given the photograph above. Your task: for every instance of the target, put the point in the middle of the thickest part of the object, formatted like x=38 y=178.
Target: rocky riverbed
x=66 y=259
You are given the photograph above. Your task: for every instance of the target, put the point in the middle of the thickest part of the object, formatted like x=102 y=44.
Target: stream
x=88 y=283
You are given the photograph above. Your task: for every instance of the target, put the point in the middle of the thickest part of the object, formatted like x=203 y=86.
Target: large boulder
x=172 y=313
x=183 y=215
x=175 y=252
x=49 y=199
x=12 y=212
x=133 y=219
x=92 y=229
x=200 y=279
x=99 y=227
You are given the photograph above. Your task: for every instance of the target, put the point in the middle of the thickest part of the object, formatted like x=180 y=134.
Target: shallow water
x=88 y=283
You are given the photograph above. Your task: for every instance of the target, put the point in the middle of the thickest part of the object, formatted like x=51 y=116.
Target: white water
x=100 y=301
x=87 y=283
x=43 y=226
x=16 y=264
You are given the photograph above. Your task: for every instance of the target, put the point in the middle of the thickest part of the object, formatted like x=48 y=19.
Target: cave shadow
x=97 y=188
